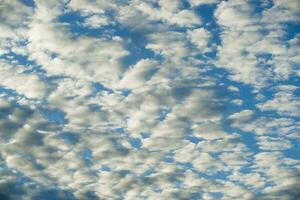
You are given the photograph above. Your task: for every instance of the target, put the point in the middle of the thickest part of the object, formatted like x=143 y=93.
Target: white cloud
x=205 y=163
x=91 y=7
x=202 y=2
x=273 y=143
x=240 y=119
x=169 y=44
x=237 y=102
x=170 y=13
x=209 y=130
x=284 y=103
x=87 y=58
x=14 y=18
x=137 y=75
x=29 y=85
x=96 y=21
x=250 y=56
x=201 y=38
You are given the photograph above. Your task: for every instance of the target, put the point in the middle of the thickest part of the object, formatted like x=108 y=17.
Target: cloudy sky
x=149 y=99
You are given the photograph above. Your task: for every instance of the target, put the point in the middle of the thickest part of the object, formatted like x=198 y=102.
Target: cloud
x=90 y=7
x=201 y=38
x=284 y=103
x=141 y=100
x=13 y=23
x=29 y=85
x=245 y=52
x=85 y=58
x=171 y=12
x=290 y=192
x=137 y=75
x=173 y=46
x=202 y=2
x=96 y=21
x=241 y=119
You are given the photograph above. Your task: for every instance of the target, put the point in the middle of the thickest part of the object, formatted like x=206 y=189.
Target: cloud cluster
x=255 y=46
x=152 y=99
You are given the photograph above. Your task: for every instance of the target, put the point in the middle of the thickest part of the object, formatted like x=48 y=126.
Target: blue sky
x=149 y=99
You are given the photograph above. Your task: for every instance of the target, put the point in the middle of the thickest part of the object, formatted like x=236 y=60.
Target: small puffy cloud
x=172 y=45
x=96 y=21
x=201 y=38
x=186 y=18
x=29 y=85
x=199 y=106
x=237 y=102
x=170 y=14
x=90 y=7
x=242 y=118
x=273 y=143
x=137 y=75
x=284 y=103
x=206 y=163
x=233 y=89
x=14 y=17
x=234 y=14
x=209 y=130
x=202 y=2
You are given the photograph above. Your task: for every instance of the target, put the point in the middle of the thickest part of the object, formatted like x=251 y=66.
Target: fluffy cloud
x=29 y=85
x=253 y=48
x=284 y=103
x=171 y=12
x=96 y=21
x=201 y=38
x=137 y=75
x=201 y=2
x=13 y=24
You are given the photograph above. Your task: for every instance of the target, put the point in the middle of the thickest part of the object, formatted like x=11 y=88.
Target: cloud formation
x=155 y=99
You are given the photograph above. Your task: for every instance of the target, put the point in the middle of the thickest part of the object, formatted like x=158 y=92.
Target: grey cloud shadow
x=54 y=194
x=291 y=192
x=7 y=126
x=11 y=190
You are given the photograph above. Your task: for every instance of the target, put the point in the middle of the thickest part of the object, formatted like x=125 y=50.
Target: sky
x=149 y=99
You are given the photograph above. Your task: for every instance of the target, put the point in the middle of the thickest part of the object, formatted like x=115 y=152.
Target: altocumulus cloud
x=149 y=99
